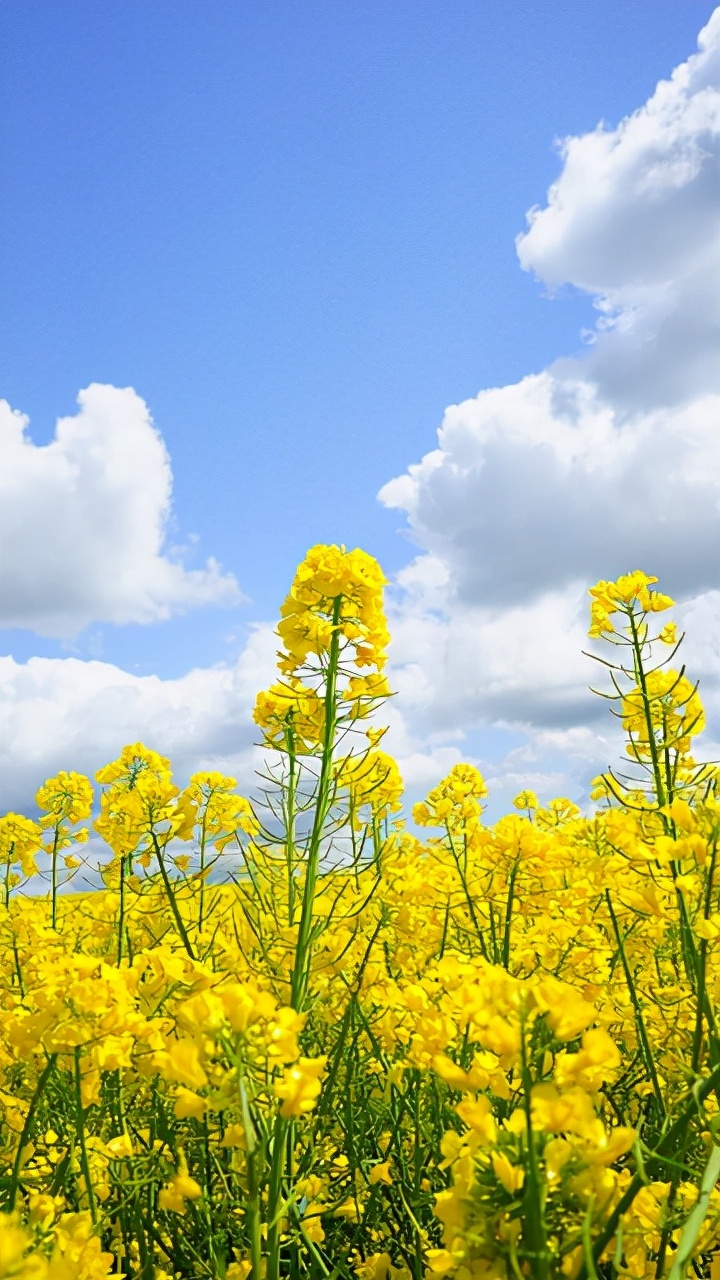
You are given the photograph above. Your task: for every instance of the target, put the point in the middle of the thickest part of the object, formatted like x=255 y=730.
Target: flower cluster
x=305 y=1040
x=332 y=619
x=631 y=591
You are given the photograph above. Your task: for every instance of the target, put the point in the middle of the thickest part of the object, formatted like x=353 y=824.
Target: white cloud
x=633 y=220
x=516 y=666
x=83 y=519
x=593 y=467
x=63 y=713
x=540 y=484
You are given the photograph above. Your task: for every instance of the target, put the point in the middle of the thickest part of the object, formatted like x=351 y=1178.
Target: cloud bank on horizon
x=601 y=463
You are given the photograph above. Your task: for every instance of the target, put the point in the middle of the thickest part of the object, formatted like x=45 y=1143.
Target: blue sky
x=290 y=228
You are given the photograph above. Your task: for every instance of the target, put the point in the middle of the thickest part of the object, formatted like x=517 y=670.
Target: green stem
x=54 y=875
x=80 y=1121
x=274 y=1194
x=642 y=1033
x=18 y=969
x=27 y=1128
x=508 y=914
x=647 y=711
x=121 y=909
x=290 y=822
x=694 y=1222
x=692 y=962
x=302 y=951
x=462 y=872
x=694 y=1067
x=417 y=1174
x=171 y=898
x=203 y=841
x=703 y=1000
x=653 y=1167
x=301 y=967
x=209 y=1190
x=534 y=1219
x=493 y=930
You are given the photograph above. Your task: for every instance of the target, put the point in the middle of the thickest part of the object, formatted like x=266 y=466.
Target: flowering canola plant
x=297 y=1038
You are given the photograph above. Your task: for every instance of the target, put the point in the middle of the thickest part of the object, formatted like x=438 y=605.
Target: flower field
x=296 y=1038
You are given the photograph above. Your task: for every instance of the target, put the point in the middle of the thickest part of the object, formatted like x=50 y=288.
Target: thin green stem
x=27 y=1128
x=277 y=1158
x=647 y=711
x=462 y=872
x=290 y=820
x=203 y=843
x=172 y=899
x=639 y=1020
x=18 y=969
x=536 y=1252
x=53 y=873
x=80 y=1124
x=508 y=914
x=417 y=1174
x=121 y=908
x=303 y=947
x=302 y=951
x=703 y=999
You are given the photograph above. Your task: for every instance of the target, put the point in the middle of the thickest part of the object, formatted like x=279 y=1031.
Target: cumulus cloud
x=83 y=522
x=63 y=713
x=516 y=666
x=540 y=484
x=595 y=466
x=633 y=220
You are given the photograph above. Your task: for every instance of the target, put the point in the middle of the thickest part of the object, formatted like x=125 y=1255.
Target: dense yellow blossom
x=298 y=1038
